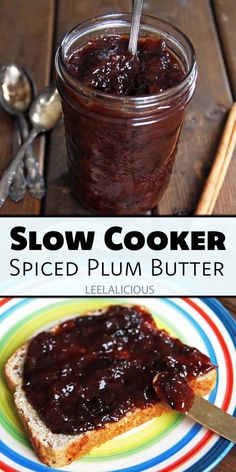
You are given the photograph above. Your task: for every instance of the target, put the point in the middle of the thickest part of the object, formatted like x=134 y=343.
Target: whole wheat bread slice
x=58 y=450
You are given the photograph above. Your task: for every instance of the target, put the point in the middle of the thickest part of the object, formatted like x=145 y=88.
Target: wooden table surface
x=31 y=30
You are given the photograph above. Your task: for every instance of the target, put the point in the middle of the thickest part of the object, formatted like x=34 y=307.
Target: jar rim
x=148 y=100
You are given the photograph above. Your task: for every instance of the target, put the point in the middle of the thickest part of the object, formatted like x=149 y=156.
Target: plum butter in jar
x=122 y=113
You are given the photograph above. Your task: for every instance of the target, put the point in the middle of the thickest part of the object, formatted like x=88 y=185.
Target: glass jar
x=122 y=149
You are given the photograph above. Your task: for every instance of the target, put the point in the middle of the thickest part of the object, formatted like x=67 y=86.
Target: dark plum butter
x=174 y=390
x=122 y=113
x=94 y=369
x=105 y=64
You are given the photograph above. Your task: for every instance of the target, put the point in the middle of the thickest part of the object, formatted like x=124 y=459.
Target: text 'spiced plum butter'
x=123 y=114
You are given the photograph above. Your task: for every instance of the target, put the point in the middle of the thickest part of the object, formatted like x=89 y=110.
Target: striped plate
x=170 y=443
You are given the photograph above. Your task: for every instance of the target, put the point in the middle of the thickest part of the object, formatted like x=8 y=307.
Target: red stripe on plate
x=189 y=454
x=4 y=301
x=7 y=468
x=228 y=360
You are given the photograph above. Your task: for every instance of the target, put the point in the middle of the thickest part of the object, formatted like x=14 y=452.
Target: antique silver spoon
x=16 y=95
x=135 y=25
x=45 y=113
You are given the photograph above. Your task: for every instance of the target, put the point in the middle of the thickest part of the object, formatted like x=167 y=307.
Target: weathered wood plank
x=205 y=117
x=230 y=304
x=225 y=13
x=59 y=197
x=26 y=30
x=228 y=464
x=206 y=114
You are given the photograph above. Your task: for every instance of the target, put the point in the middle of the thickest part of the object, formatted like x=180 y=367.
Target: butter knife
x=213 y=418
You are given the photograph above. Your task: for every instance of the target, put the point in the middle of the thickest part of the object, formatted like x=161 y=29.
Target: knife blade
x=213 y=418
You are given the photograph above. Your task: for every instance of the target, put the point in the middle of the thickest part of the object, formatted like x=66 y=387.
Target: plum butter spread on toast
x=94 y=369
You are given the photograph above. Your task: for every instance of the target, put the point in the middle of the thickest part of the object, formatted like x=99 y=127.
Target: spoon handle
x=10 y=173
x=35 y=180
x=18 y=186
x=135 y=25
x=17 y=136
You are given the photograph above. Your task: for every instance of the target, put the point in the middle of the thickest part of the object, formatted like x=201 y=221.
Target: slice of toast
x=57 y=450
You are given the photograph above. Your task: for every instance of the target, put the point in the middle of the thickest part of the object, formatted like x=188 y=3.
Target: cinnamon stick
x=219 y=168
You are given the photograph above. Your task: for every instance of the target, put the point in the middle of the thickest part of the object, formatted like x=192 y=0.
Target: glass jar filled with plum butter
x=123 y=114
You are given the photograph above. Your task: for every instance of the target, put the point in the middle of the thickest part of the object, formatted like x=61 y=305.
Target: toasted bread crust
x=9 y=368
x=55 y=455
x=87 y=441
